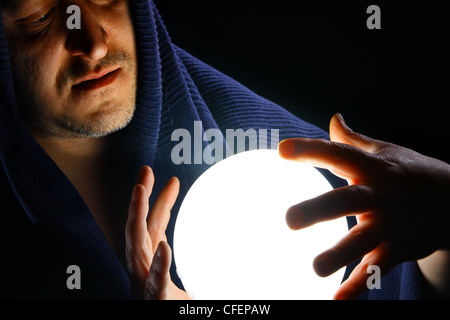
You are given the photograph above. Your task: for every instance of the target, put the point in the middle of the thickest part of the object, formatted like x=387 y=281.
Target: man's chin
x=96 y=126
x=95 y=129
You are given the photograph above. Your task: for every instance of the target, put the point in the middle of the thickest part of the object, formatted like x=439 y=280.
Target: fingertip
x=286 y=148
x=173 y=187
x=164 y=247
x=323 y=265
x=340 y=296
x=345 y=293
x=175 y=181
x=146 y=170
x=339 y=117
x=159 y=250
x=150 y=173
x=337 y=123
x=293 y=219
x=146 y=178
x=163 y=256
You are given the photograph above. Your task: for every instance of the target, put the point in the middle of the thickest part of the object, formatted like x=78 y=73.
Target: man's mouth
x=97 y=80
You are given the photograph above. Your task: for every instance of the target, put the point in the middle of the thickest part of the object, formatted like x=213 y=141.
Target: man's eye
x=46 y=16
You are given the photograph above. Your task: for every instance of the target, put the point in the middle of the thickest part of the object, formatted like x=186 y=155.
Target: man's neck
x=80 y=159
x=101 y=178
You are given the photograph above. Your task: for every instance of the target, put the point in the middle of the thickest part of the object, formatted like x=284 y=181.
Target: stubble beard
x=110 y=117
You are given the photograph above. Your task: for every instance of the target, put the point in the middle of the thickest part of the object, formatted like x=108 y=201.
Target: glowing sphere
x=231 y=239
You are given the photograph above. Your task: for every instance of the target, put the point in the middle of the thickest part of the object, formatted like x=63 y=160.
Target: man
x=86 y=118
x=69 y=172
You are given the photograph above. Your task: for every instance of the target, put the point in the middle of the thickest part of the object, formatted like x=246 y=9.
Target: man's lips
x=97 y=80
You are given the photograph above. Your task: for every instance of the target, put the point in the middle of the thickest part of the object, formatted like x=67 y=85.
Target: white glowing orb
x=231 y=239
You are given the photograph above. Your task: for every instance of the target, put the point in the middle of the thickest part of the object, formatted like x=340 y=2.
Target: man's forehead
x=16 y=5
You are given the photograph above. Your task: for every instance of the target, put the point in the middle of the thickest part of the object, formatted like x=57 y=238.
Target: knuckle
x=155 y=269
x=361 y=197
x=129 y=252
x=152 y=291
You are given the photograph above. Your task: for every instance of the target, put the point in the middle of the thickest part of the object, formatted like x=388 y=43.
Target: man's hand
x=147 y=252
x=400 y=199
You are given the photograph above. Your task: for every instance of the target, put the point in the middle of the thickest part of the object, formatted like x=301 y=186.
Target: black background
x=316 y=58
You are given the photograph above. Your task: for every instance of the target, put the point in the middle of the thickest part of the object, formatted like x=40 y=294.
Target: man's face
x=72 y=83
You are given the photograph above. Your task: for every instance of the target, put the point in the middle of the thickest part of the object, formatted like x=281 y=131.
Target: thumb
x=341 y=133
x=157 y=284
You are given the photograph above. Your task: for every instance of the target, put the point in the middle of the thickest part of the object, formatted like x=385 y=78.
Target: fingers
x=137 y=246
x=157 y=284
x=348 y=154
x=149 y=267
x=334 y=204
x=359 y=159
x=147 y=179
x=341 y=159
x=142 y=235
x=360 y=240
x=340 y=132
x=383 y=257
x=160 y=213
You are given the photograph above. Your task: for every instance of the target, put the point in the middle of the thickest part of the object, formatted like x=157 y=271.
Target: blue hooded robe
x=45 y=225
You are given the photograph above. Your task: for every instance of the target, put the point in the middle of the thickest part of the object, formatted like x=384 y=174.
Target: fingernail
x=341 y=118
x=159 y=250
x=286 y=148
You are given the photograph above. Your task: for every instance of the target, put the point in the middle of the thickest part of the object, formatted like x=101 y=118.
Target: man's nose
x=91 y=40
